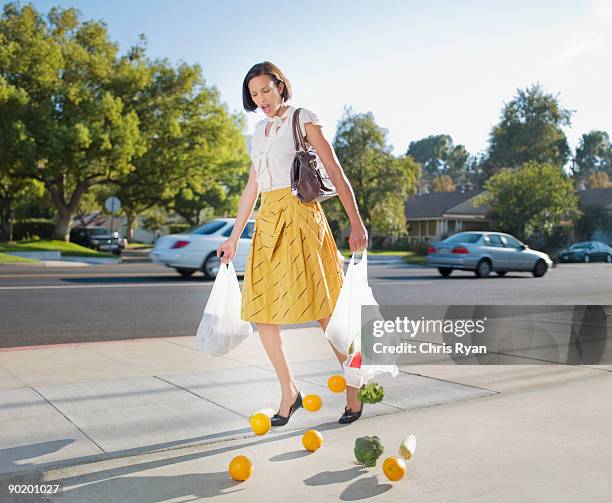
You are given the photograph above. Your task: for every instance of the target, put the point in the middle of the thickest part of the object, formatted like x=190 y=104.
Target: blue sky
x=421 y=67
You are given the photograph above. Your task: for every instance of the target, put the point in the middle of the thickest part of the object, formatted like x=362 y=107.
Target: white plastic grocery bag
x=221 y=328
x=344 y=325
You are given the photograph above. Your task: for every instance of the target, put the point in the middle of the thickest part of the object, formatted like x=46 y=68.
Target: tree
x=593 y=155
x=439 y=156
x=195 y=161
x=457 y=163
x=442 y=183
x=16 y=148
x=79 y=131
x=531 y=200
x=593 y=219
x=599 y=180
x=381 y=182
x=530 y=129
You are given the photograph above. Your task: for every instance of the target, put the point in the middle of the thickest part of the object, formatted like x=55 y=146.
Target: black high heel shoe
x=278 y=420
x=349 y=416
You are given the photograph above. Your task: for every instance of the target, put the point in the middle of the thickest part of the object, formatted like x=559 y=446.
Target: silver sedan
x=483 y=252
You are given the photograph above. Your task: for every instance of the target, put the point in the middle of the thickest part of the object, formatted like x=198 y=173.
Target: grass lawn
x=12 y=259
x=347 y=252
x=136 y=246
x=412 y=258
x=66 y=249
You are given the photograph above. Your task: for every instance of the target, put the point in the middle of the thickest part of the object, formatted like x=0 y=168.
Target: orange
x=260 y=424
x=394 y=468
x=312 y=402
x=240 y=468
x=312 y=440
x=336 y=383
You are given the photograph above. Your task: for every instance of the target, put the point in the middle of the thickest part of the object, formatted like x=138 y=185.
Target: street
x=130 y=410
x=137 y=299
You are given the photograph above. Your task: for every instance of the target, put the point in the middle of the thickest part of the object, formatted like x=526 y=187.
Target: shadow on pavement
x=335 y=476
x=364 y=488
x=162 y=488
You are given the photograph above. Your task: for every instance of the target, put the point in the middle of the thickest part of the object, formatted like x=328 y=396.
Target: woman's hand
x=228 y=248
x=358 y=240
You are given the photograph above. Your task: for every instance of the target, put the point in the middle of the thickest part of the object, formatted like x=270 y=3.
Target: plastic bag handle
x=362 y=265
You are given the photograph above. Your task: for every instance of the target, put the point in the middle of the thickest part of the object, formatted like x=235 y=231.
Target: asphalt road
x=137 y=299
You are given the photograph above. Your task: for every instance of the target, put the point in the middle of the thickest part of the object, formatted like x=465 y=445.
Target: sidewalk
x=156 y=420
x=45 y=259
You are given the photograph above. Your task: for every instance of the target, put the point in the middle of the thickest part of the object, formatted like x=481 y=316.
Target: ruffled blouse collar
x=276 y=120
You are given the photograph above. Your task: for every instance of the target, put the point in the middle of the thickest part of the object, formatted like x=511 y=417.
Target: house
x=435 y=215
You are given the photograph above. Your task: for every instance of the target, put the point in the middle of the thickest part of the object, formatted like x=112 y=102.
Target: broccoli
x=368 y=450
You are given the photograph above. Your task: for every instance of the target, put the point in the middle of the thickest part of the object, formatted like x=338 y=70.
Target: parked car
x=587 y=251
x=483 y=252
x=98 y=238
x=196 y=249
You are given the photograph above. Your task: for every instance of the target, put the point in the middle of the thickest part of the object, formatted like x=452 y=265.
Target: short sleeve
x=256 y=138
x=308 y=116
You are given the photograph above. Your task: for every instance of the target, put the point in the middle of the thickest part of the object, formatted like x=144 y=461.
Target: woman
x=293 y=272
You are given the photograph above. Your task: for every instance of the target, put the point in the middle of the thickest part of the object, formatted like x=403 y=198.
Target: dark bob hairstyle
x=265 y=68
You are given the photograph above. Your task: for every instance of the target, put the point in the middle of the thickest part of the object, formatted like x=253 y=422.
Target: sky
x=421 y=68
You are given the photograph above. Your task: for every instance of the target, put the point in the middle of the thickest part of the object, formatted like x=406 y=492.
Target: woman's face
x=265 y=94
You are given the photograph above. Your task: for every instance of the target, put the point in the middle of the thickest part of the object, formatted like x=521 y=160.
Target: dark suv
x=97 y=238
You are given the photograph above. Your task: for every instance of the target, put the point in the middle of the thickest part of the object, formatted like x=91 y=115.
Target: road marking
x=83 y=275
x=409 y=282
x=41 y=287
x=210 y=284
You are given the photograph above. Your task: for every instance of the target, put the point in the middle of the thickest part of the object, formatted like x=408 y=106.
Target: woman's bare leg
x=351 y=392
x=272 y=341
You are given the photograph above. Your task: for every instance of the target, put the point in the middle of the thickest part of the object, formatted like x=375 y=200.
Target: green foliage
x=442 y=183
x=368 y=449
x=439 y=156
x=73 y=130
x=599 y=180
x=593 y=219
x=76 y=115
x=195 y=161
x=371 y=393
x=28 y=228
x=593 y=156
x=530 y=129
x=381 y=182
x=532 y=200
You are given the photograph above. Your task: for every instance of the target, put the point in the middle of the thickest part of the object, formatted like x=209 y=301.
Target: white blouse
x=273 y=155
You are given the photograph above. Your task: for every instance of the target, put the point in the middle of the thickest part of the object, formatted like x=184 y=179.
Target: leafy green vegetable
x=371 y=393
x=351 y=348
x=368 y=450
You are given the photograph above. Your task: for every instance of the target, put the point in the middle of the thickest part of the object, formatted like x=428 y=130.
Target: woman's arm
x=245 y=208
x=246 y=205
x=358 y=239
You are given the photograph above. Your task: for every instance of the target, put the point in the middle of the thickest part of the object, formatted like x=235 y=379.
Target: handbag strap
x=298 y=137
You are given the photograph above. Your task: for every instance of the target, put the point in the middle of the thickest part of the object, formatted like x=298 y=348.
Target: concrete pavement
x=156 y=420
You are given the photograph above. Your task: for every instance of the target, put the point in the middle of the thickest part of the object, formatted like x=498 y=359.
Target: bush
x=552 y=243
x=420 y=247
x=33 y=228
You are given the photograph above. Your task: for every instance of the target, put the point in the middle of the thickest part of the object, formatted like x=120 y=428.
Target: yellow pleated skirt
x=293 y=272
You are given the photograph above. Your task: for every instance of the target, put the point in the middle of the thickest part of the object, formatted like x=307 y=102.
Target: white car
x=197 y=249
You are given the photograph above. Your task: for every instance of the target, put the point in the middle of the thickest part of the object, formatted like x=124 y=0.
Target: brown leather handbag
x=309 y=180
